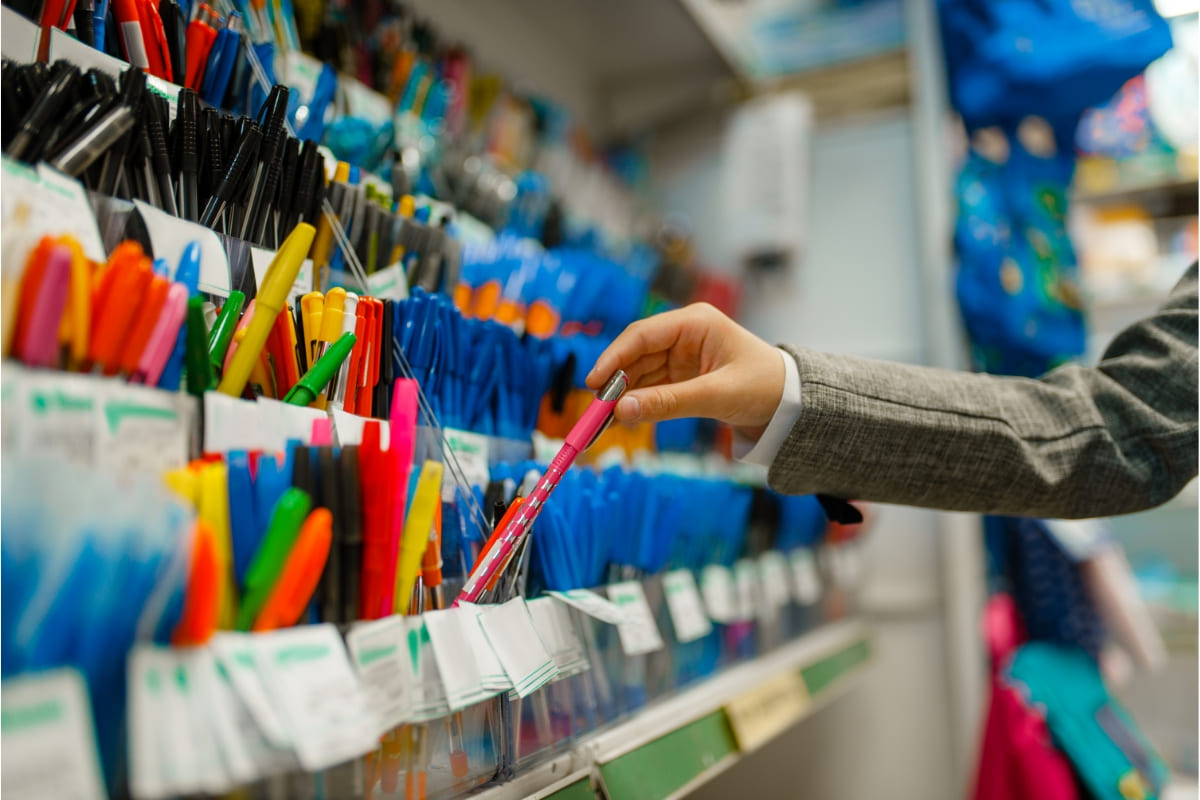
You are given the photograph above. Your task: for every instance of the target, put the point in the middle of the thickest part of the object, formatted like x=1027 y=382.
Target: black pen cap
x=133 y=89
x=189 y=153
x=304 y=182
x=239 y=166
x=156 y=126
x=286 y=196
x=51 y=102
x=210 y=151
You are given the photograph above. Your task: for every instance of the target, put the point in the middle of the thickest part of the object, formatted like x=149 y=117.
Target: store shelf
x=1138 y=191
x=674 y=746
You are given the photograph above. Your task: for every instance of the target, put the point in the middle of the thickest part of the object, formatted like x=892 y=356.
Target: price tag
x=247 y=735
x=593 y=605
x=142 y=430
x=806 y=580
x=390 y=283
x=44 y=202
x=495 y=679
x=47 y=739
x=553 y=624
x=471 y=452
x=58 y=415
x=231 y=423
x=292 y=422
x=509 y=629
x=260 y=261
x=191 y=689
x=19 y=37
x=429 y=696
x=170 y=235
x=379 y=650
x=461 y=678
x=72 y=210
x=745 y=578
x=640 y=634
x=773 y=571
x=686 y=606
x=236 y=657
x=324 y=706
x=349 y=428
x=720 y=596
x=767 y=710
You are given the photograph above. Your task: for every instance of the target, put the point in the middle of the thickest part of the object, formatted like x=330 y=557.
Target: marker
x=311 y=385
x=299 y=576
x=415 y=540
x=148 y=312
x=222 y=331
x=116 y=309
x=286 y=519
x=271 y=298
x=162 y=338
x=202 y=597
x=312 y=306
x=213 y=508
x=76 y=321
x=199 y=369
x=40 y=344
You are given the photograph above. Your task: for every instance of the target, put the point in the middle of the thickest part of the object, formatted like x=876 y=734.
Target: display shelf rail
x=673 y=746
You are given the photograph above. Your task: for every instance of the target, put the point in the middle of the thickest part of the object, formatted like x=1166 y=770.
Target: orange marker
x=143 y=324
x=115 y=313
x=29 y=288
x=202 y=599
x=300 y=575
x=350 y=398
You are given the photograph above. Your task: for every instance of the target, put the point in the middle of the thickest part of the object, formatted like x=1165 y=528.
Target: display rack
x=672 y=747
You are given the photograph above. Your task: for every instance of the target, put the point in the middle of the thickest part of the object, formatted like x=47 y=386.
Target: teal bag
x=1112 y=758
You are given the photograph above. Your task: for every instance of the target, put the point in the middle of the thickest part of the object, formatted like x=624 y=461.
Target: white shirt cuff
x=763 y=451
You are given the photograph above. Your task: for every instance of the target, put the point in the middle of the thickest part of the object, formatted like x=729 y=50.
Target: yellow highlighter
x=76 y=319
x=185 y=483
x=214 y=509
x=416 y=533
x=331 y=330
x=272 y=296
x=312 y=308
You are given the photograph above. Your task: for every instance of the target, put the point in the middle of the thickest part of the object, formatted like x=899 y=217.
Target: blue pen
x=99 y=23
x=242 y=516
x=188 y=274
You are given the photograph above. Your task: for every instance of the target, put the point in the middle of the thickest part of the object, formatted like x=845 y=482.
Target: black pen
x=175 y=29
x=112 y=170
x=189 y=155
x=235 y=174
x=160 y=156
x=272 y=116
x=286 y=196
x=50 y=103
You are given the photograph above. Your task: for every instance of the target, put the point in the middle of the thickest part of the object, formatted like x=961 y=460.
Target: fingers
x=691 y=398
x=643 y=338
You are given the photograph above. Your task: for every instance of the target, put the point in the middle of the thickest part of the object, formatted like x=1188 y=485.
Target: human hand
x=694 y=362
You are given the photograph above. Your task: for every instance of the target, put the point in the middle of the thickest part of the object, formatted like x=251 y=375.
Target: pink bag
x=1017 y=760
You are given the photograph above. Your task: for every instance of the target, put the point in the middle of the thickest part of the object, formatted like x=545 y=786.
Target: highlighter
x=162 y=338
x=74 y=328
x=214 y=509
x=300 y=575
x=310 y=386
x=312 y=306
x=415 y=540
x=222 y=330
x=402 y=431
x=199 y=369
x=40 y=344
x=202 y=599
x=272 y=296
x=146 y=318
x=286 y=519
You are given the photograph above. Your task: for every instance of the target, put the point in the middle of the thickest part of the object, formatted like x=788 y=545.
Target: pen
x=147 y=314
x=234 y=177
x=115 y=310
x=311 y=385
x=299 y=575
x=201 y=33
x=266 y=173
x=281 y=274
x=593 y=422
x=287 y=517
x=40 y=344
x=202 y=597
x=152 y=38
x=174 y=26
x=76 y=321
x=415 y=539
x=129 y=28
x=213 y=508
x=198 y=367
x=222 y=330
x=51 y=102
x=186 y=118
x=348 y=389
x=312 y=305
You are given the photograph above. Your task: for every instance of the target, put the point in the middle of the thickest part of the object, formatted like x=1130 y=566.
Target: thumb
x=690 y=398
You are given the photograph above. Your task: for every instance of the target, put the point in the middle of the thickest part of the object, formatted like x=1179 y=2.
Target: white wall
x=858 y=290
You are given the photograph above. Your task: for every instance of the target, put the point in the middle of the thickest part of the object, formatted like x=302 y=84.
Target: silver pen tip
x=615 y=387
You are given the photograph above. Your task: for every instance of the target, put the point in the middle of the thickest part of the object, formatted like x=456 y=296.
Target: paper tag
x=773 y=572
x=324 y=706
x=806 y=581
x=509 y=629
x=552 y=621
x=143 y=430
x=214 y=703
x=58 y=416
x=767 y=710
x=191 y=709
x=47 y=740
x=362 y=101
x=244 y=734
x=720 y=596
x=640 y=634
x=390 y=283
x=593 y=605
x=65 y=47
x=495 y=679
x=291 y=422
x=471 y=452
x=459 y=670
x=235 y=654
x=745 y=579
x=301 y=72
x=379 y=650
x=44 y=202
x=429 y=696
x=170 y=235
x=349 y=428
x=260 y=260
x=19 y=37
x=686 y=607
x=231 y=423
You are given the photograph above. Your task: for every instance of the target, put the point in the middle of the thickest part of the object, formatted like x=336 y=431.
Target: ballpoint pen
x=313 y=382
x=51 y=102
x=593 y=422
x=129 y=28
x=154 y=40
x=201 y=33
x=174 y=26
x=187 y=119
x=222 y=330
x=236 y=171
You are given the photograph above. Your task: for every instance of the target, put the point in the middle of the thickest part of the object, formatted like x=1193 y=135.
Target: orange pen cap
x=300 y=574
x=143 y=324
x=202 y=598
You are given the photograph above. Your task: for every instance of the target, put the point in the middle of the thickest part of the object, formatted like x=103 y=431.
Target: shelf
x=1137 y=190
x=674 y=746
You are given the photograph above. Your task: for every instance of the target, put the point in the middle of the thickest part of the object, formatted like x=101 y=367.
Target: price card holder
x=231 y=423
x=321 y=700
x=509 y=629
x=639 y=635
x=767 y=710
x=349 y=428
x=291 y=422
x=379 y=650
x=720 y=595
x=685 y=606
x=593 y=605
x=47 y=738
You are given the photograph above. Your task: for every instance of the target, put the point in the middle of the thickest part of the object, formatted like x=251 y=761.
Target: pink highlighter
x=593 y=422
x=402 y=442
x=40 y=345
x=162 y=338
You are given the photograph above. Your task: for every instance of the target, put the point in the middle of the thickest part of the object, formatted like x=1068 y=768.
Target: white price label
x=516 y=643
x=429 y=695
x=593 y=605
x=720 y=596
x=379 y=650
x=47 y=739
x=806 y=580
x=640 y=634
x=471 y=452
x=552 y=621
x=773 y=570
x=170 y=235
x=449 y=632
x=686 y=606
x=495 y=679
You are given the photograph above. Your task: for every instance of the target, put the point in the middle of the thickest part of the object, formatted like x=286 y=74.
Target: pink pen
x=162 y=338
x=39 y=348
x=402 y=441
x=593 y=422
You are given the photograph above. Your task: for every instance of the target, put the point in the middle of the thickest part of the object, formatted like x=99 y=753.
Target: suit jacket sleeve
x=1079 y=442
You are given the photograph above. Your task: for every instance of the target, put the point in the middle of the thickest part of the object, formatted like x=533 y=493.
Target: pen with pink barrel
x=39 y=347
x=593 y=422
x=162 y=338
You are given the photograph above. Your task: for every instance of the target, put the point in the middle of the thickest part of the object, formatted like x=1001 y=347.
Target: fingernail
x=629 y=407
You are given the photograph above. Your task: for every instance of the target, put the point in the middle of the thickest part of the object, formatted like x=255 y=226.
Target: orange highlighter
x=202 y=598
x=301 y=573
x=143 y=324
x=120 y=294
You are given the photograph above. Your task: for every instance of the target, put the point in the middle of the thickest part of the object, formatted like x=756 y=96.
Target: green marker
x=222 y=332
x=200 y=377
x=314 y=381
x=286 y=518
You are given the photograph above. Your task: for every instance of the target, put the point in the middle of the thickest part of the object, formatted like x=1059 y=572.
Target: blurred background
x=819 y=166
